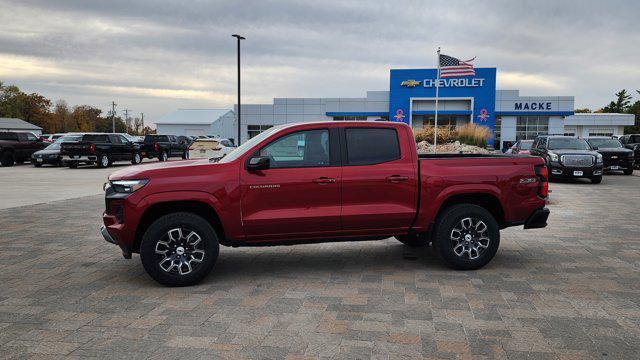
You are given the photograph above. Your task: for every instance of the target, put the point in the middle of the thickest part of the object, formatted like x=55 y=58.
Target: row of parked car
x=591 y=157
x=103 y=149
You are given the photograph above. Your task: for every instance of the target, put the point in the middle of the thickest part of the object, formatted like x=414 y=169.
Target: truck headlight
x=599 y=159
x=553 y=156
x=128 y=186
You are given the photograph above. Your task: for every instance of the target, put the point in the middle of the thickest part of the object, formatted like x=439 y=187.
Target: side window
x=115 y=139
x=123 y=139
x=300 y=149
x=31 y=137
x=624 y=139
x=634 y=139
x=226 y=143
x=366 y=146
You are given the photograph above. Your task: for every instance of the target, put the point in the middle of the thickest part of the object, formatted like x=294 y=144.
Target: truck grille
x=577 y=160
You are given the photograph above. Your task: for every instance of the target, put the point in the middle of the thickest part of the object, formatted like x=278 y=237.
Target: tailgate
x=75 y=148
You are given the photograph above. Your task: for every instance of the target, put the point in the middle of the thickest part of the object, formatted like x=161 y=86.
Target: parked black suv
x=568 y=157
x=632 y=141
x=614 y=155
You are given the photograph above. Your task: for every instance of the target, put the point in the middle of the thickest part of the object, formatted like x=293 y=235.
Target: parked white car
x=210 y=148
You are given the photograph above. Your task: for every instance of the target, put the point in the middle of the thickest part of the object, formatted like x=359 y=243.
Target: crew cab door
x=298 y=196
x=379 y=180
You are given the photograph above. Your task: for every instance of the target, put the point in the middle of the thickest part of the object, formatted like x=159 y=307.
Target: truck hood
x=147 y=171
x=614 y=151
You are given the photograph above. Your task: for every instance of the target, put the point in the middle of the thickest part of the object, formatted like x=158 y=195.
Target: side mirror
x=258 y=163
x=595 y=147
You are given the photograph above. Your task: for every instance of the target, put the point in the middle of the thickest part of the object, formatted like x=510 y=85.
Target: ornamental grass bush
x=469 y=134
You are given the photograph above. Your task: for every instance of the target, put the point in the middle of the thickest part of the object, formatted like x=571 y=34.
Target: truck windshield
x=605 y=143
x=237 y=152
x=568 y=144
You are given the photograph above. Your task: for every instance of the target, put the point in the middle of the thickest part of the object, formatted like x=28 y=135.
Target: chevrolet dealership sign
x=444 y=83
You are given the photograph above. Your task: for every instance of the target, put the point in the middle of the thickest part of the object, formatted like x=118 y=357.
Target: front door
x=298 y=196
x=379 y=180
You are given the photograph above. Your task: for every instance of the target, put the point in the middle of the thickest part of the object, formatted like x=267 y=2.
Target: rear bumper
x=538 y=219
x=84 y=158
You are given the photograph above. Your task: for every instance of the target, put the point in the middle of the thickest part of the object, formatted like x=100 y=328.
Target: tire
x=412 y=240
x=136 y=159
x=185 y=155
x=7 y=159
x=37 y=165
x=103 y=161
x=162 y=267
x=463 y=255
x=596 y=180
x=628 y=171
x=163 y=156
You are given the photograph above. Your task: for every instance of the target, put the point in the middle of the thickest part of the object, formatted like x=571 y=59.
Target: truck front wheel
x=467 y=237
x=179 y=249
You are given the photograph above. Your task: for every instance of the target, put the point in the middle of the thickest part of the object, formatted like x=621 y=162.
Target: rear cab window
x=96 y=138
x=155 y=138
x=369 y=146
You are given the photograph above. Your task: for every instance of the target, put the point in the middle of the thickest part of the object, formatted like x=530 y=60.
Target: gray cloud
x=154 y=56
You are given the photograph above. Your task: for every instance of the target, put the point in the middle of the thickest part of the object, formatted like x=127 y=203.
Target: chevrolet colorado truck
x=318 y=182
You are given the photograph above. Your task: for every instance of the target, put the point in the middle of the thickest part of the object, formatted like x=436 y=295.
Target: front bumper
x=126 y=250
x=613 y=165
x=43 y=160
x=557 y=170
x=538 y=219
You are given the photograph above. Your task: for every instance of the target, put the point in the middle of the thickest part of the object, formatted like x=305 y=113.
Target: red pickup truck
x=317 y=182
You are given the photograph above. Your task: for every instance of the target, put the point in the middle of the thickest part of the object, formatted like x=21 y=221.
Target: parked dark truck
x=17 y=147
x=100 y=149
x=164 y=147
x=615 y=157
x=317 y=182
x=632 y=142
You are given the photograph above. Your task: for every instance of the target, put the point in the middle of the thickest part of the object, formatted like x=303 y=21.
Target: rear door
x=299 y=195
x=117 y=148
x=379 y=179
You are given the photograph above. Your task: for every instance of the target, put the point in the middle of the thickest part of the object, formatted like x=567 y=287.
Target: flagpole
x=435 y=121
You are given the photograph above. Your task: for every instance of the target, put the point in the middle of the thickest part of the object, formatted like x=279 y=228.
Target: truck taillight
x=543 y=187
x=155 y=147
x=92 y=148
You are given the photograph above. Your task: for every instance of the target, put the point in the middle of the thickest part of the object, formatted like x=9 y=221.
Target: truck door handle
x=324 y=180
x=397 y=178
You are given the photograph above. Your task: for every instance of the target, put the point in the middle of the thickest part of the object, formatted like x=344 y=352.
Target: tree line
x=59 y=117
x=623 y=103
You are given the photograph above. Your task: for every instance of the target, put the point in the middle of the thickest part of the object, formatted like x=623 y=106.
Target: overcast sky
x=157 y=56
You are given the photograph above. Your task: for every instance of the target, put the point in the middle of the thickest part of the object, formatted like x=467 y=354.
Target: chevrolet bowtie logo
x=410 y=83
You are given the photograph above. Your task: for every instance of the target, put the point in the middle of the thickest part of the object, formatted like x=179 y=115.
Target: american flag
x=452 y=67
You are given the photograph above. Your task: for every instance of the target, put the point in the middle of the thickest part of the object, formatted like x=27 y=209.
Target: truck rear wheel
x=628 y=171
x=6 y=159
x=103 y=161
x=467 y=237
x=179 y=249
x=163 y=156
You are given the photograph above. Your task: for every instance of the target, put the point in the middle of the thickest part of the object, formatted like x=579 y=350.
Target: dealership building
x=411 y=99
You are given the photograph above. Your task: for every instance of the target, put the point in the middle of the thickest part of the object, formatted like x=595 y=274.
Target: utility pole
x=239 y=111
x=126 y=119
x=113 y=116
x=142 y=121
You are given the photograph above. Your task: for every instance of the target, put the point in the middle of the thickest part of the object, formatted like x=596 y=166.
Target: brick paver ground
x=569 y=291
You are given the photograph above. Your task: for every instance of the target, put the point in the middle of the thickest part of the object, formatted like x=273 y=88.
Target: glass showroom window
x=349 y=118
x=529 y=127
x=254 y=130
x=497 y=131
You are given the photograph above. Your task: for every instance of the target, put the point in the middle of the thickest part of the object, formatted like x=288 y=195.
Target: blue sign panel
x=407 y=84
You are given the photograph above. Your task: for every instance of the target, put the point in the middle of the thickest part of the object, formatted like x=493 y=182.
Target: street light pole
x=239 y=111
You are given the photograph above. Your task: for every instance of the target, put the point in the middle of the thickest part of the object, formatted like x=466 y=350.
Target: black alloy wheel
x=467 y=236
